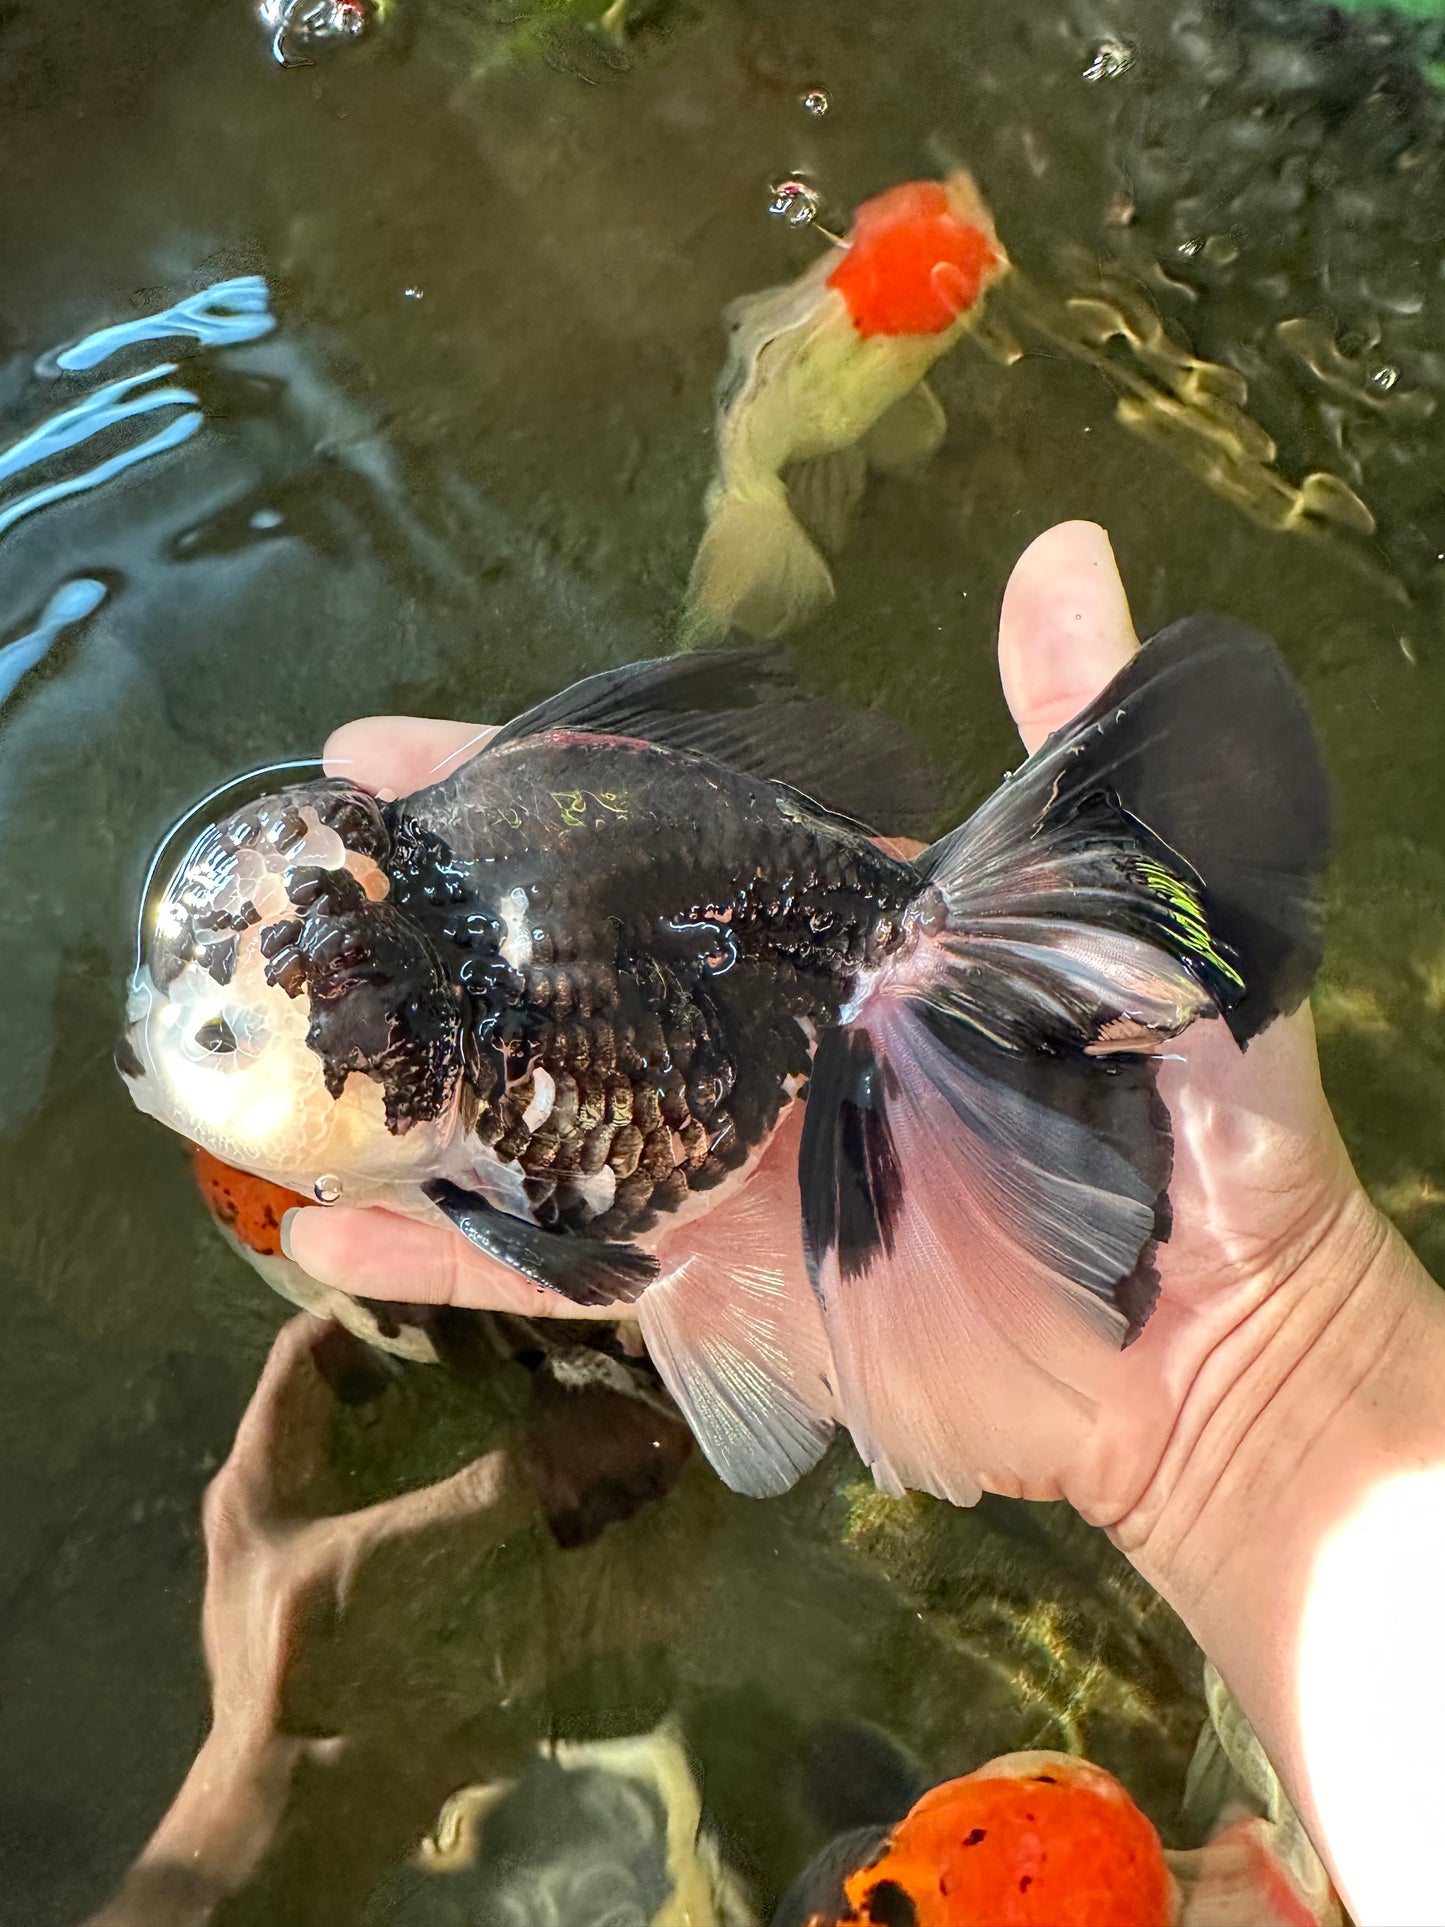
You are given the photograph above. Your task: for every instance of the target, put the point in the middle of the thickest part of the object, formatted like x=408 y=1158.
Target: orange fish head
x=1029 y=1840
x=919 y=256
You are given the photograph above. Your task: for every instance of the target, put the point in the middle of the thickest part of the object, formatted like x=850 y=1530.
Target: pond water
x=436 y=440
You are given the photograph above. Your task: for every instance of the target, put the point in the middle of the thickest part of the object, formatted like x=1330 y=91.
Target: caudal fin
x=985 y=1160
x=756 y=569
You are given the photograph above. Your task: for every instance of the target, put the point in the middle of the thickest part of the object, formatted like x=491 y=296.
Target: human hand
x=346 y=1703
x=305 y=1734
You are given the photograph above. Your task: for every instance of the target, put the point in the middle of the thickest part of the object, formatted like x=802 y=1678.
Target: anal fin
x=737 y=1335
x=825 y=492
x=582 y=1269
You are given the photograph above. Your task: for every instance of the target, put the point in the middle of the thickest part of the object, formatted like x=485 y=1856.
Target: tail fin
x=1256 y=1862
x=985 y=1160
x=756 y=569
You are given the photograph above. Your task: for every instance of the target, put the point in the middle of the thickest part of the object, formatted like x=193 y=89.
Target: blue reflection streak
x=218 y=317
x=175 y=432
x=101 y=409
x=227 y=313
x=71 y=603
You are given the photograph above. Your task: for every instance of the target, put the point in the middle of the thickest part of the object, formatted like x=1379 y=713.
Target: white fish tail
x=757 y=569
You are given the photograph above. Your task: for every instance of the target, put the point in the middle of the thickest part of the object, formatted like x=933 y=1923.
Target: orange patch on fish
x=1028 y=1841
x=250 y=1207
x=913 y=264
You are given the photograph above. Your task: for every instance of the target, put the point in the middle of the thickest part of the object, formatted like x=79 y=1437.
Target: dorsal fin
x=740 y=707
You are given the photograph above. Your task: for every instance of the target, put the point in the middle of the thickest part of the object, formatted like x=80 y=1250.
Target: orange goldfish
x=825 y=376
x=1048 y=1840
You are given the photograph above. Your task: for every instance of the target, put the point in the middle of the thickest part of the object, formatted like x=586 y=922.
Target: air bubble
x=300 y=28
x=794 y=202
x=1110 y=59
x=1384 y=378
x=327 y=1188
x=816 y=103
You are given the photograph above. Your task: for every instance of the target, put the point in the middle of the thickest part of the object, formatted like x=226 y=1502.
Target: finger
x=378 y=1254
x=1064 y=628
x=399 y=754
x=281 y=1439
x=491 y=1488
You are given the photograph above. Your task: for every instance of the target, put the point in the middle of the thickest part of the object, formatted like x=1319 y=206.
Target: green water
x=466 y=466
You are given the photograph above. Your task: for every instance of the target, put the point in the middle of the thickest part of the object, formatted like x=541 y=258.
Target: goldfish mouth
x=126 y=1059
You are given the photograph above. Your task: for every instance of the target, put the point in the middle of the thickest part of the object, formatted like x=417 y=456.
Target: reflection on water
x=71 y=603
x=454 y=504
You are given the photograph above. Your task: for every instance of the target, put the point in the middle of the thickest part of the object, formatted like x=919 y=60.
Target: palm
x=1259 y=1167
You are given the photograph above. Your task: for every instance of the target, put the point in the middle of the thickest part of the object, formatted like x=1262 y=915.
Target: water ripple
x=223 y=315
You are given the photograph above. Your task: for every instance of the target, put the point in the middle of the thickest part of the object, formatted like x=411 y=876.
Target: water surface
x=440 y=445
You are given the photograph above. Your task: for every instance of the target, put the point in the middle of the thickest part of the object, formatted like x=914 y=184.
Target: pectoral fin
x=582 y=1269
x=907 y=434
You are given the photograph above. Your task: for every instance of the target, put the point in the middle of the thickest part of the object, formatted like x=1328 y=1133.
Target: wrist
x=1272 y=1400
x=1291 y=1521
x=218 y=1828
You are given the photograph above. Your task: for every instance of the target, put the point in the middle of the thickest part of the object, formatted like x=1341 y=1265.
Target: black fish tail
x=985 y=1159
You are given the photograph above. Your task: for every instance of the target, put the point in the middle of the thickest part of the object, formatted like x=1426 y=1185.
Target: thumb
x=1064 y=628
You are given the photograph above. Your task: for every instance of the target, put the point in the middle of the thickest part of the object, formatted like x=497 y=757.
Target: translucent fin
x=1238 y=1879
x=825 y=493
x=649 y=698
x=1258 y=1862
x=737 y=1336
x=1024 y=1196
x=907 y=434
x=985 y=1159
x=740 y=707
x=757 y=569
x=1186 y=811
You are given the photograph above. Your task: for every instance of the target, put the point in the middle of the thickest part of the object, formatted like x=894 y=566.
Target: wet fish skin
x=656 y=934
x=568 y=997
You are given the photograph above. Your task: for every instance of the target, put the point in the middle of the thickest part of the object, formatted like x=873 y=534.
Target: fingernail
x=287 y=1220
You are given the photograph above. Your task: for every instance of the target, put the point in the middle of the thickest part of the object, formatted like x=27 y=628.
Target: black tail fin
x=984 y=1152
x=1188 y=807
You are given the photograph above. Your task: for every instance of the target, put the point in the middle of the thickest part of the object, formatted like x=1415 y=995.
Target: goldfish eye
x=227 y=1041
x=217 y=1037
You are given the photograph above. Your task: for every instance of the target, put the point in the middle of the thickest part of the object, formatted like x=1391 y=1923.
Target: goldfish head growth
x=287 y=1012
x=1030 y=1840
x=918 y=258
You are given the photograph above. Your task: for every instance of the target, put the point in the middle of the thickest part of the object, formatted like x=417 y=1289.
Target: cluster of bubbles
x=796 y=201
x=300 y=29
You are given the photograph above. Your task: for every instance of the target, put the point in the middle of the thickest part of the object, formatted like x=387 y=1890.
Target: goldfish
x=636 y=1002
x=824 y=377
x=248 y=1210
x=1044 y=1839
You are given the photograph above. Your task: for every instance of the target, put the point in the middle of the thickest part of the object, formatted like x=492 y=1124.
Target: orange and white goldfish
x=1047 y=1840
x=826 y=376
